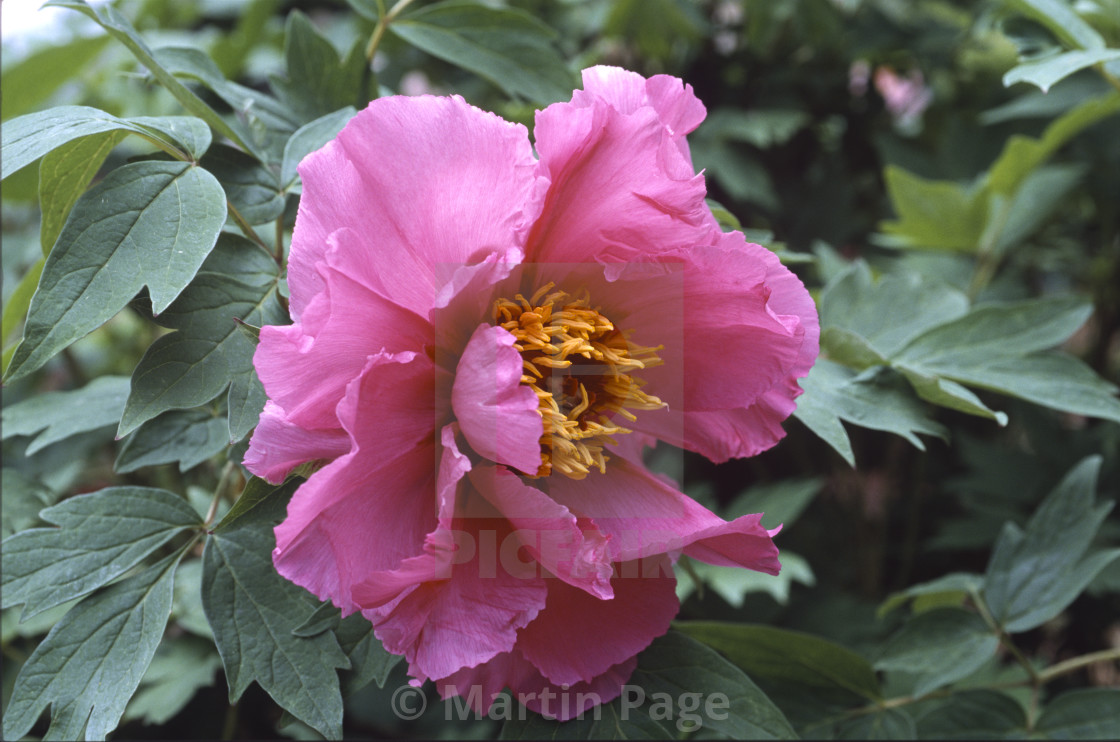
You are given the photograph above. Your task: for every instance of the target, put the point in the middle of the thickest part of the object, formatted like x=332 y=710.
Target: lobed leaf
x=102 y=535
x=188 y=437
x=939 y=646
x=181 y=666
x=23 y=499
x=1033 y=574
x=55 y=416
x=146 y=224
x=111 y=19
x=874 y=399
x=209 y=353
x=506 y=46
x=27 y=138
x=92 y=661
x=891 y=312
x=253 y=612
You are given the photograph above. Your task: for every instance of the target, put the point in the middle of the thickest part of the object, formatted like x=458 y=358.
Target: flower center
x=579 y=365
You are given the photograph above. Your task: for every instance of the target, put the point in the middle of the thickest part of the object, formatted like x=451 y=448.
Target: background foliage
x=943 y=174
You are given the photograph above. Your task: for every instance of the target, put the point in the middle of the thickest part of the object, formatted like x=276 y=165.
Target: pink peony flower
x=484 y=340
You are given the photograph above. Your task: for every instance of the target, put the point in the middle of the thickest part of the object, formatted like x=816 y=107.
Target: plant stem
x=247 y=229
x=1076 y=663
x=382 y=24
x=219 y=492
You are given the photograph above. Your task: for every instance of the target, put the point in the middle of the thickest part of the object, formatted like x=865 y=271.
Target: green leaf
x=319 y=80
x=31 y=81
x=883 y=724
x=507 y=46
x=948 y=393
x=369 y=661
x=186 y=436
x=773 y=653
x=975 y=714
x=23 y=499
x=1053 y=379
x=1021 y=155
x=253 y=612
x=146 y=224
x=934 y=214
x=1035 y=573
x=64 y=174
x=256 y=491
x=262 y=121
x=103 y=534
x=1088 y=713
x=60 y=415
x=734 y=583
x=1005 y=329
x=186 y=607
x=1045 y=72
x=181 y=666
x=111 y=19
x=15 y=311
x=889 y=313
x=1059 y=17
x=939 y=647
x=92 y=660
x=875 y=399
x=190 y=367
x=996 y=347
x=1037 y=198
x=957 y=582
x=781 y=503
x=309 y=138
x=250 y=187
x=27 y=138
x=245 y=402
x=718 y=695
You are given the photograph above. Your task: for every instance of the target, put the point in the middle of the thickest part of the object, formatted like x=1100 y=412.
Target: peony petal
x=480 y=686
x=462 y=608
x=736 y=329
x=305 y=367
x=496 y=412
x=571 y=548
x=428 y=183
x=645 y=515
x=578 y=637
x=367 y=511
x=676 y=105
x=620 y=186
x=353 y=517
x=278 y=446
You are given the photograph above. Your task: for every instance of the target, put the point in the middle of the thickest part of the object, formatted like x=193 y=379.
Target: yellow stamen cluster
x=579 y=365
